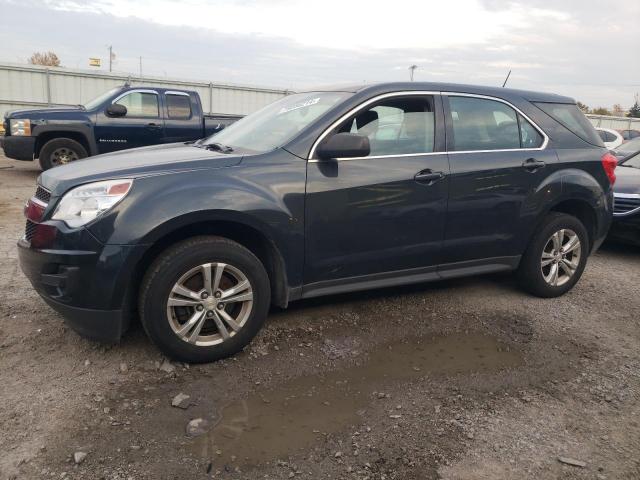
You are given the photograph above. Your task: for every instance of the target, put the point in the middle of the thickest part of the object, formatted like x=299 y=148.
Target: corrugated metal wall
x=33 y=86
x=616 y=123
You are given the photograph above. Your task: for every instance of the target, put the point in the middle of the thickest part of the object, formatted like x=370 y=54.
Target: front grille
x=43 y=195
x=29 y=230
x=624 y=205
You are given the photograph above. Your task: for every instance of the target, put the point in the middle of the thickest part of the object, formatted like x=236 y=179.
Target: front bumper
x=19 y=147
x=88 y=285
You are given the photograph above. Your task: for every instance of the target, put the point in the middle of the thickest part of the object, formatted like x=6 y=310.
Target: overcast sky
x=586 y=49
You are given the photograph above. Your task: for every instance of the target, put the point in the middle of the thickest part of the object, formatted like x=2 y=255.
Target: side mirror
x=116 y=110
x=344 y=145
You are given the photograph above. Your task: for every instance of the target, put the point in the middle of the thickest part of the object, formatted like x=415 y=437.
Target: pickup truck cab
x=124 y=117
x=319 y=193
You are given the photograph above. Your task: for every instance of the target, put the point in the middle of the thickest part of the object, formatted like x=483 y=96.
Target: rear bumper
x=19 y=148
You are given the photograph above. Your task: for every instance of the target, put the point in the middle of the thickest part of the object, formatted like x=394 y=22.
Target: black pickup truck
x=124 y=117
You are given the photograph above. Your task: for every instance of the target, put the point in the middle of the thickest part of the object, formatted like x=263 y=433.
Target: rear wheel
x=204 y=299
x=60 y=151
x=556 y=256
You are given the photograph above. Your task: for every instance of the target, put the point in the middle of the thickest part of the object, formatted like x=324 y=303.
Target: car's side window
x=178 y=106
x=484 y=124
x=141 y=104
x=396 y=126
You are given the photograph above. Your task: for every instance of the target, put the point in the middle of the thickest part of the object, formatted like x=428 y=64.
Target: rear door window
x=570 y=117
x=484 y=124
x=178 y=106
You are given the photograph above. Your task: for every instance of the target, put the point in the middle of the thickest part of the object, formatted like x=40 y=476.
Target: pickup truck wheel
x=204 y=299
x=555 y=258
x=60 y=151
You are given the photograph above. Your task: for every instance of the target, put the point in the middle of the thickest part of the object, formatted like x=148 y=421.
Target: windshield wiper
x=218 y=147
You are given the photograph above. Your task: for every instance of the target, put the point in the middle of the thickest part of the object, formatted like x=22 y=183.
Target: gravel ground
x=464 y=379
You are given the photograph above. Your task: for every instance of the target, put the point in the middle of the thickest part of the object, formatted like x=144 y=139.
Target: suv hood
x=134 y=163
x=627 y=180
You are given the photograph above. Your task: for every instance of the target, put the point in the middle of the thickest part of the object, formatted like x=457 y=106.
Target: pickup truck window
x=275 y=124
x=178 y=106
x=141 y=104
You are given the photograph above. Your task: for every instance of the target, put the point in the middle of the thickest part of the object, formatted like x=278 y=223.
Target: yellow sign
x=94 y=62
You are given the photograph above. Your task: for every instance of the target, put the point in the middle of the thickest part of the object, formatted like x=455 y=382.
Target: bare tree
x=48 y=59
x=617 y=110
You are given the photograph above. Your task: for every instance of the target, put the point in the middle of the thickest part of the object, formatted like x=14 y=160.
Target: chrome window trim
x=544 y=145
x=626 y=195
x=138 y=90
x=175 y=92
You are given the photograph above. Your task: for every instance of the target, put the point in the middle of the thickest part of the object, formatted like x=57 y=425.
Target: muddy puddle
x=272 y=423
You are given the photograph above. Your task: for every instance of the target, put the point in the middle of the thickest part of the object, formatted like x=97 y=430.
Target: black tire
x=170 y=266
x=530 y=272
x=50 y=152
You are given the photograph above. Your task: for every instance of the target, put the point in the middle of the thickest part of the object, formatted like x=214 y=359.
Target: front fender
x=268 y=197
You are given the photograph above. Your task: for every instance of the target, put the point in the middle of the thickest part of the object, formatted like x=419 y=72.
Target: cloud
x=575 y=48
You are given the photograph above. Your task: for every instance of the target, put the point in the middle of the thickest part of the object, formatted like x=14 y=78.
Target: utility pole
x=140 y=67
x=110 y=56
x=412 y=69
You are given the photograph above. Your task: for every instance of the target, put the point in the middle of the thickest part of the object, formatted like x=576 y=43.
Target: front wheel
x=555 y=258
x=204 y=299
x=60 y=151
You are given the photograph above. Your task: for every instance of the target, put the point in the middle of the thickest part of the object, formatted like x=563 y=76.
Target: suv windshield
x=572 y=118
x=96 y=102
x=275 y=124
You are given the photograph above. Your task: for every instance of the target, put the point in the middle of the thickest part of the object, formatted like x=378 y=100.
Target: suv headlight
x=87 y=202
x=20 y=127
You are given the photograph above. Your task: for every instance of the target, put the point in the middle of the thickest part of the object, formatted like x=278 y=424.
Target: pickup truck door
x=141 y=126
x=184 y=120
x=370 y=218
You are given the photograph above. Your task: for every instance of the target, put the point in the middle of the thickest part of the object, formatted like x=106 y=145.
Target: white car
x=611 y=138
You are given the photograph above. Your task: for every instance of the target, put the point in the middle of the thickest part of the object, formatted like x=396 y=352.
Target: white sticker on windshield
x=308 y=103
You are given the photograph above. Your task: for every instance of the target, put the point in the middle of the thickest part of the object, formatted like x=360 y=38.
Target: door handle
x=531 y=164
x=428 y=176
x=154 y=126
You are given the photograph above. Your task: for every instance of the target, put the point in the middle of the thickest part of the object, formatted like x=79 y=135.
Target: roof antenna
x=506 y=79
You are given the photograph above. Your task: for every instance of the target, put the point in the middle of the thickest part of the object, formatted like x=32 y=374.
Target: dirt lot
x=467 y=379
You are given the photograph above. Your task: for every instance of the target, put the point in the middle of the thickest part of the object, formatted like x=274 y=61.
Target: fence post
x=48 y=81
x=210 y=97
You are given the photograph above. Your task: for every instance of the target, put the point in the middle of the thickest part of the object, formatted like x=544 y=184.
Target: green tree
x=601 y=111
x=634 y=111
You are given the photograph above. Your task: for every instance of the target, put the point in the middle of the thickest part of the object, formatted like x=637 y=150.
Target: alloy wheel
x=560 y=257
x=209 y=304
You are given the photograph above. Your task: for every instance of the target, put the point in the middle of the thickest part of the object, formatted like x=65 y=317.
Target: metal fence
x=34 y=86
x=616 y=123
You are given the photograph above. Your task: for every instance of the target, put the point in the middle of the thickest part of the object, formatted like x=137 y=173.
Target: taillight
x=609 y=163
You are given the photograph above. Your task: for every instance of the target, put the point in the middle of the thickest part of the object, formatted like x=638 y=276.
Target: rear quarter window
x=570 y=117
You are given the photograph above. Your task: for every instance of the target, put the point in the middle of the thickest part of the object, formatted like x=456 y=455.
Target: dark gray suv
x=321 y=192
